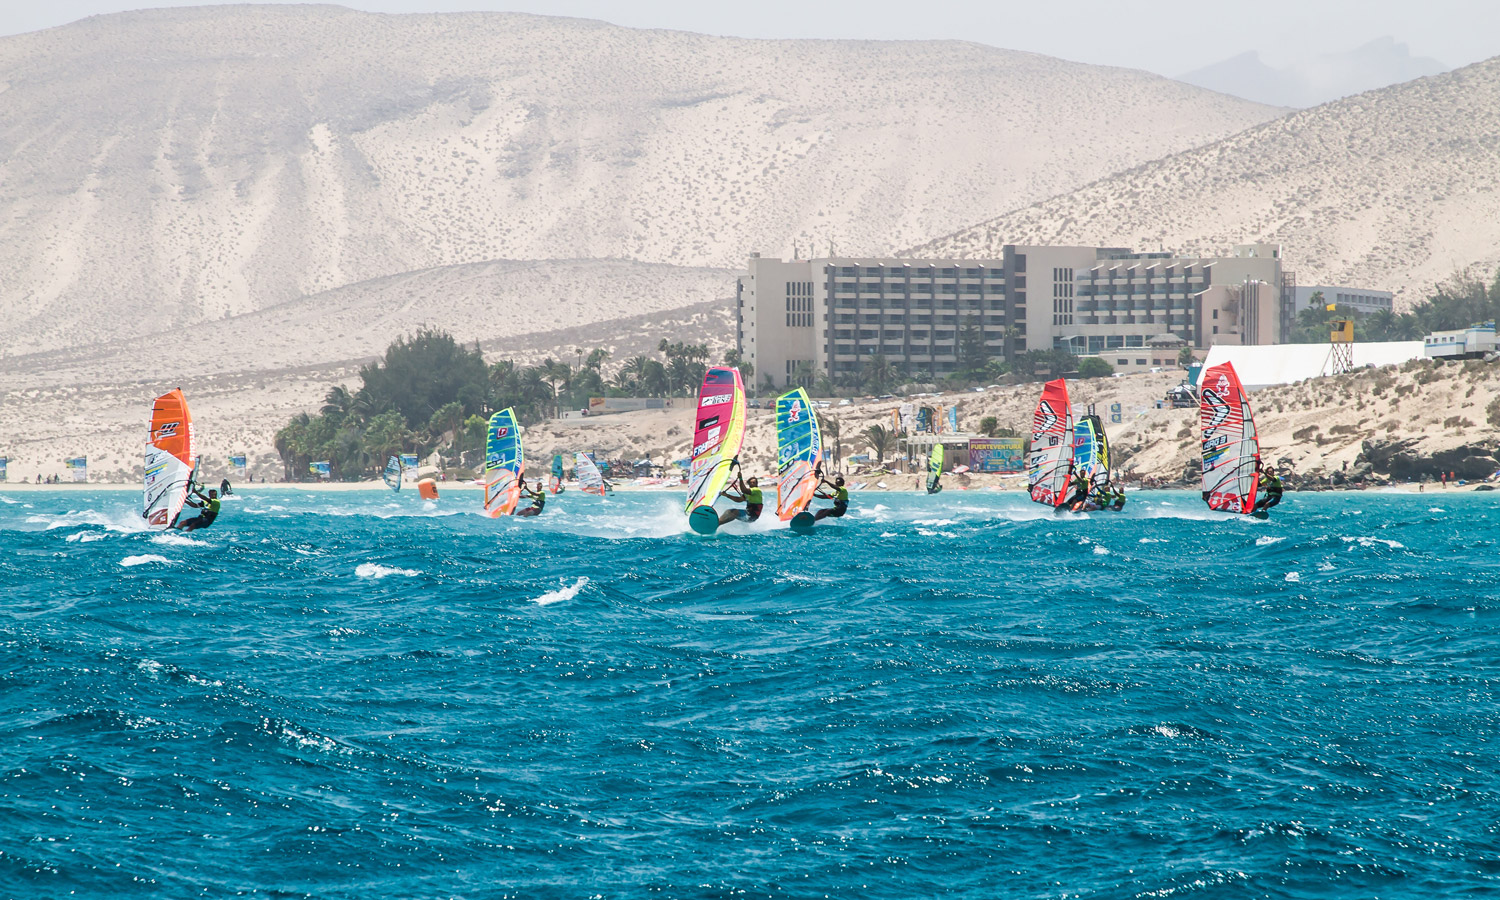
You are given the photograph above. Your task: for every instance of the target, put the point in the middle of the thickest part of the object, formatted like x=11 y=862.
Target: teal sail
x=392 y=474
x=799 y=453
x=504 y=463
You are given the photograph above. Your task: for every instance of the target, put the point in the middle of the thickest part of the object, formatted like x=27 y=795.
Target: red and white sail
x=1050 y=462
x=171 y=455
x=1231 y=451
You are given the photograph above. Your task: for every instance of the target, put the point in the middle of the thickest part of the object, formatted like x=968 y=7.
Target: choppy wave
x=962 y=695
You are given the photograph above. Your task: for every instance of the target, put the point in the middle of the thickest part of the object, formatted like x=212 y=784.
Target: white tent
x=1266 y=366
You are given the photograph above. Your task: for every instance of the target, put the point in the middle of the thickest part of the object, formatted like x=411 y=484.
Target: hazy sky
x=1167 y=36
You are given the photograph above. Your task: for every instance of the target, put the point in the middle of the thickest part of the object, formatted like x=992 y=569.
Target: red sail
x=1050 y=462
x=1231 y=451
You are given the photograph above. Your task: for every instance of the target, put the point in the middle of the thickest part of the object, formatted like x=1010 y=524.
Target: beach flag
x=409 y=461
x=237 y=464
x=321 y=469
x=953 y=419
x=79 y=466
x=4 y=462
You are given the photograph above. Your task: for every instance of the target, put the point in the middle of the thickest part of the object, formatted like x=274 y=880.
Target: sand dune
x=1393 y=189
x=170 y=167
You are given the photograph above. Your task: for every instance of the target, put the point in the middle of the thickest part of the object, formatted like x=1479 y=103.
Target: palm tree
x=878 y=373
x=832 y=431
x=632 y=373
x=560 y=376
x=337 y=403
x=877 y=438
x=654 y=380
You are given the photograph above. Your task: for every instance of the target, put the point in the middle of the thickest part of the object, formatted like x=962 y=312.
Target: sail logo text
x=716 y=399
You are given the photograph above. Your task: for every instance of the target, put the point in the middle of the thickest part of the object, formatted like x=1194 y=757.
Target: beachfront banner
x=320 y=469
x=237 y=466
x=79 y=466
x=953 y=419
x=908 y=414
x=409 y=461
x=4 y=463
x=924 y=420
x=1000 y=455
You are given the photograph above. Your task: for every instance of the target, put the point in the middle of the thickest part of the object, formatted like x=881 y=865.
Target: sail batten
x=171 y=458
x=799 y=453
x=1231 y=449
x=1049 y=464
x=718 y=432
x=392 y=473
x=504 y=463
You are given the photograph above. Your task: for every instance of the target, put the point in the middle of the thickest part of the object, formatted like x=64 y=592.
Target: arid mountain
x=1320 y=79
x=169 y=167
x=1393 y=189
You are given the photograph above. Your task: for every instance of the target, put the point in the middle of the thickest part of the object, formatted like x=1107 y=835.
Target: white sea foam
x=561 y=594
x=5 y=499
x=1437 y=509
x=1371 y=542
x=1101 y=551
x=176 y=540
x=86 y=536
x=1294 y=577
x=1267 y=540
x=927 y=532
x=141 y=560
x=1153 y=540
x=376 y=570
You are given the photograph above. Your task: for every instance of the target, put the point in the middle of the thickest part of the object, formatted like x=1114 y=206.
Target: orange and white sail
x=171 y=457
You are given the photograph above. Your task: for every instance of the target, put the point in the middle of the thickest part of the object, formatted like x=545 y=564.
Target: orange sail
x=171 y=456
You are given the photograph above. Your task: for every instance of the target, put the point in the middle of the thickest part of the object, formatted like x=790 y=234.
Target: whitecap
x=1101 y=551
x=1267 y=540
x=1371 y=542
x=561 y=594
x=376 y=570
x=86 y=536
x=925 y=532
x=5 y=499
x=1293 y=577
x=177 y=540
x=141 y=560
x=1153 y=540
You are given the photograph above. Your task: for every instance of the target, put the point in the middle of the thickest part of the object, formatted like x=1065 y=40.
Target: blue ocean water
x=367 y=695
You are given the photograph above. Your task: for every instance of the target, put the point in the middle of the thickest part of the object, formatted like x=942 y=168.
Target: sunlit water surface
x=367 y=695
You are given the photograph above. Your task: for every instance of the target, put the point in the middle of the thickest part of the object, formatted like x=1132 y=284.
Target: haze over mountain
x=168 y=167
x=1320 y=79
x=1393 y=189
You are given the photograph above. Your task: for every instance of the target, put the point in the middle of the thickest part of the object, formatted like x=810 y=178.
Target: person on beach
x=538 y=499
x=1273 y=488
x=208 y=510
x=750 y=495
x=839 y=496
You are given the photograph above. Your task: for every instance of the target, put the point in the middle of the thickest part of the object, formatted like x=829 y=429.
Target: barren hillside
x=1393 y=189
x=170 y=167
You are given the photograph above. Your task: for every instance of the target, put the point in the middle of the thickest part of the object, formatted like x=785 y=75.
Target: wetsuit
x=839 y=507
x=754 y=503
x=1273 y=493
x=205 y=517
x=1119 y=500
x=538 y=501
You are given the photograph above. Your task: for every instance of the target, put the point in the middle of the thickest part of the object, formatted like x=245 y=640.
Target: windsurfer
x=1117 y=500
x=748 y=494
x=839 y=496
x=208 y=510
x=1080 y=495
x=538 y=499
x=1271 y=484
